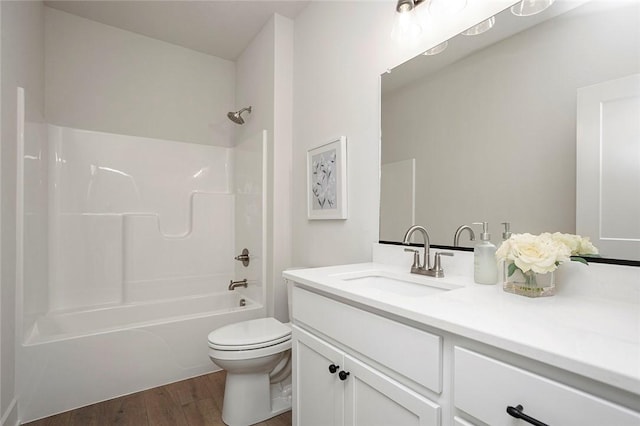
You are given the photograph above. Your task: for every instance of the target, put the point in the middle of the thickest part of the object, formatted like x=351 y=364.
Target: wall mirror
x=486 y=129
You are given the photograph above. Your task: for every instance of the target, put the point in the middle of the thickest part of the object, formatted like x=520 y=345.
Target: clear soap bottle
x=485 y=266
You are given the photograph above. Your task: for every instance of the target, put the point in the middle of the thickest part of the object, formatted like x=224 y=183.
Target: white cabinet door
x=373 y=399
x=318 y=394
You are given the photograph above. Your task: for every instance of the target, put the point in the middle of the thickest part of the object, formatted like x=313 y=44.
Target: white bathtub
x=78 y=358
x=78 y=323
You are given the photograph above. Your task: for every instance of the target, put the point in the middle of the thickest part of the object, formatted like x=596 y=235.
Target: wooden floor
x=192 y=402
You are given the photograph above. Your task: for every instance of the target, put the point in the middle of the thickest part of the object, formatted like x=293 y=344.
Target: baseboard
x=10 y=417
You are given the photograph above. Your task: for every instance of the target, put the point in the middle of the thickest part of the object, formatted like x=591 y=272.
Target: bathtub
x=77 y=358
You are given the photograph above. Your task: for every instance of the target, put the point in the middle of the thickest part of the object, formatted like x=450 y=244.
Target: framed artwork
x=327 y=180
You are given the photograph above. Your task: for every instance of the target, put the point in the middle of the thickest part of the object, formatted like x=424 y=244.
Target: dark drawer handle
x=518 y=414
x=343 y=375
x=333 y=368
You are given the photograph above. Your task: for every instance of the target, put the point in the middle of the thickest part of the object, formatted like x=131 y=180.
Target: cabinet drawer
x=408 y=351
x=484 y=387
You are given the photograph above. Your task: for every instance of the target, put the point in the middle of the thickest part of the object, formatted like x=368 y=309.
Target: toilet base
x=250 y=399
x=280 y=397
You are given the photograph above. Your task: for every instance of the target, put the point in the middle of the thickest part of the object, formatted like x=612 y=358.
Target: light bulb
x=481 y=27
x=405 y=27
x=437 y=49
x=530 y=7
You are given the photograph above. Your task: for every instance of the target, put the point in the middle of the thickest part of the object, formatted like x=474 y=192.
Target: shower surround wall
x=136 y=219
x=141 y=239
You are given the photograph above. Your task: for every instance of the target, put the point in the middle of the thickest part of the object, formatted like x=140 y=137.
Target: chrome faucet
x=233 y=284
x=426 y=260
x=456 y=237
x=424 y=268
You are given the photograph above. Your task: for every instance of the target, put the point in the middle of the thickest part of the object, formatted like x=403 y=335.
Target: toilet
x=257 y=357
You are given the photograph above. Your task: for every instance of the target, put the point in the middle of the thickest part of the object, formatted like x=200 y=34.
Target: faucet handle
x=437 y=267
x=416 y=257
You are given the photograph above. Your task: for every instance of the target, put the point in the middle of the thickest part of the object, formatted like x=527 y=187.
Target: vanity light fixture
x=481 y=27
x=437 y=49
x=405 y=26
x=406 y=6
x=530 y=7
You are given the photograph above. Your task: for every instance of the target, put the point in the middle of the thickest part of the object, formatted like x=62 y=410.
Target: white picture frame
x=327 y=180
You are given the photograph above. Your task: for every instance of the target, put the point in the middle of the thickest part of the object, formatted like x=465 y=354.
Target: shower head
x=236 y=117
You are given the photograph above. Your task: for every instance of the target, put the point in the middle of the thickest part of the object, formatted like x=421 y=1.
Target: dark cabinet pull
x=333 y=368
x=343 y=375
x=518 y=414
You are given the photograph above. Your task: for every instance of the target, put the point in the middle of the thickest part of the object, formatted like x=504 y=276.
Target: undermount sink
x=380 y=284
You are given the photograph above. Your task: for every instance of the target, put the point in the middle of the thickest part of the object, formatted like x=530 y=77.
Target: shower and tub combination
x=127 y=246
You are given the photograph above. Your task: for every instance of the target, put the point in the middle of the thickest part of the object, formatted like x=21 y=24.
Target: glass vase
x=530 y=284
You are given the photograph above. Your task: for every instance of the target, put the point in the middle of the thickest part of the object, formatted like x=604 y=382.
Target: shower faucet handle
x=243 y=257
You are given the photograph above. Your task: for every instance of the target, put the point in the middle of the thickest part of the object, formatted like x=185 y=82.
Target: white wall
x=283 y=147
x=254 y=87
x=22 y=66
x=341 y=48
x=263 y=81
x=103 y=78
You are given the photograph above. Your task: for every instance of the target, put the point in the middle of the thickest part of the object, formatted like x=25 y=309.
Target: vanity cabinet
x=342 y=383
x=353 y=365
x=335 y=388
x=485 y=387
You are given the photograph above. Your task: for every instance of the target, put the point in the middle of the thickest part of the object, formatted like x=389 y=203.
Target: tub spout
x=233 y=284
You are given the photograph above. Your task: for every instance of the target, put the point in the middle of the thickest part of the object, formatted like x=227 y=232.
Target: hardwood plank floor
x=191 y=402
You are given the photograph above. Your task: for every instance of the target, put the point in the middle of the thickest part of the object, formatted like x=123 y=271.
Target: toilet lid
x=250 y=334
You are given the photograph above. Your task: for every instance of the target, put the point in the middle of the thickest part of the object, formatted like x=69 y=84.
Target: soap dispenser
x=485 y=266
x=507 y=231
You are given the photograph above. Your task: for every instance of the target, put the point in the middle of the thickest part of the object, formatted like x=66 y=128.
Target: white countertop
x=593 y=336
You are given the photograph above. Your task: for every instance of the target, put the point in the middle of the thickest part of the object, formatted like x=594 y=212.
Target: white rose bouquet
x=543 y=253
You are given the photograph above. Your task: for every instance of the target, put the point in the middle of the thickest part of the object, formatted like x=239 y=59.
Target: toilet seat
x=250 y=354
x=250 y=335
x=257 y=345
